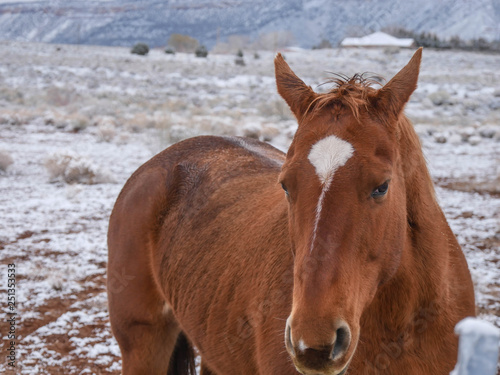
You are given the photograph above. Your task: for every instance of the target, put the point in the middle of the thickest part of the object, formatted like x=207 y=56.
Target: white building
x=378 y=39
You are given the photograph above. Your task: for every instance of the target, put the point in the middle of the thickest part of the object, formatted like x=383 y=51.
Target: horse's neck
x=420 y=284
x=429 y=237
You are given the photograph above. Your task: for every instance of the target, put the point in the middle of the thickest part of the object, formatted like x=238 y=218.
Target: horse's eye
x=381 y=190
x=284 y=188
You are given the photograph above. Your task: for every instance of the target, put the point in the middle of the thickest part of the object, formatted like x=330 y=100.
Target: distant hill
x=124 y=22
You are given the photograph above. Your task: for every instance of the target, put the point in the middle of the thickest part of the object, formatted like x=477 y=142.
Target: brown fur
x=205 y=229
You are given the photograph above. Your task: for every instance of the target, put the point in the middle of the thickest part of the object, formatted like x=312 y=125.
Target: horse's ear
x=396 y=93
x=291 y=88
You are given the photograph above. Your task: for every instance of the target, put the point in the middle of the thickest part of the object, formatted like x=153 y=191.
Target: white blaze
x=327 y=155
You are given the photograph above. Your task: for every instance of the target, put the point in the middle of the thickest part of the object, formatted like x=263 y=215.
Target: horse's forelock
x=349 y=92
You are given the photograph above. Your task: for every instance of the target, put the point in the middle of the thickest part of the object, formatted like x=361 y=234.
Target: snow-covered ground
x=70 y=115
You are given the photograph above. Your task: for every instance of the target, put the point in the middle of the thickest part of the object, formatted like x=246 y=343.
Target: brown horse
x=353 y=269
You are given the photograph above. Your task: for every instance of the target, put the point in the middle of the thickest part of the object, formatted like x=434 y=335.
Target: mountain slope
x=123 y=22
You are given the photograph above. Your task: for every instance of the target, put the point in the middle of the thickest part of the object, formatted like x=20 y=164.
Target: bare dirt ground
x=77 y=121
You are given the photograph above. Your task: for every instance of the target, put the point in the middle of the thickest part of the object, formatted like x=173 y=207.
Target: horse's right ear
x=291 y=88
x=395 y=94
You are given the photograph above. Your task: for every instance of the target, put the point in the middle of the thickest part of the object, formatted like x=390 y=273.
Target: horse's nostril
x=342 y=341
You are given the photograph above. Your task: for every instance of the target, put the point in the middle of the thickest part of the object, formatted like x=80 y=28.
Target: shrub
x=325 y=43
x=440 y=97
x=78 y=122
x=239 y=61
x=170 y=51
x=239 y=58
x=182 y=43
x=274 y=40
x=140 y=49
x=5 y=160
x=106 y=132
x=201 y=51
x=72 y=168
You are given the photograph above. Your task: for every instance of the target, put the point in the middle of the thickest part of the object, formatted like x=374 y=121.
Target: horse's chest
x=403 y=355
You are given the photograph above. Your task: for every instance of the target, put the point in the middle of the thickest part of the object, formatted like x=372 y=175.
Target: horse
x=335 y=258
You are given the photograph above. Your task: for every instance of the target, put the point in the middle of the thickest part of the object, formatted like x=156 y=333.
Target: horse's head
x=344 y=181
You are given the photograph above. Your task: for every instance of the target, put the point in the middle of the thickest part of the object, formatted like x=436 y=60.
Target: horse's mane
x=351 y=92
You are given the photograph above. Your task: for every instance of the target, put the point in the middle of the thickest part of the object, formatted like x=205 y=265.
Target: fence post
x=477 y=347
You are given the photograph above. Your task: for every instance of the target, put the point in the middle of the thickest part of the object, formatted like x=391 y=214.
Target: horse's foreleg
x=142 y=323
x=147 y=335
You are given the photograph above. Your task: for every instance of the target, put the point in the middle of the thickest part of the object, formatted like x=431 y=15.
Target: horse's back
x=220 y=154
x=196 y=165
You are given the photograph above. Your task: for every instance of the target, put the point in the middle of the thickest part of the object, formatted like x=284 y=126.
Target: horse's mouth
x=315 y=372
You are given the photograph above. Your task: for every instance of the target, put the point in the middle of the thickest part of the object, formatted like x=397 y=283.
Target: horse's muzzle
x=328 y=359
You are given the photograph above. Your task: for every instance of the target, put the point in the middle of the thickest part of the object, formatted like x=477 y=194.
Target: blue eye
x=380 y=190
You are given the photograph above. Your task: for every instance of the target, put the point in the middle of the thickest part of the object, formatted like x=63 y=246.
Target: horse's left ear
x=396 y=93
x=296 y=93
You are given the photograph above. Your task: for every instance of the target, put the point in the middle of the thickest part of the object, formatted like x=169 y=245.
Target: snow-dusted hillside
x=70 y=115
x=124 y=22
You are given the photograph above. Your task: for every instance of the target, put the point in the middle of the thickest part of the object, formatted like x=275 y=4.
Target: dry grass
x=5 y=160
x=73 y=168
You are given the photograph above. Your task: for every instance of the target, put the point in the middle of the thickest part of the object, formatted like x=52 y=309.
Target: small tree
x=274 y=40
x=456 y=42
x=239 y=58
x=140 y=49
x=170 y=51
x=480 y=44
x=201 y=51
x=325 y=43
